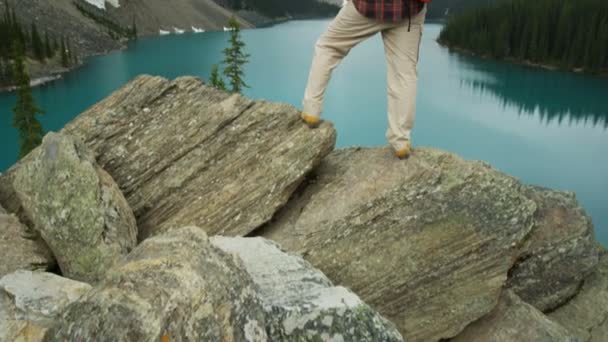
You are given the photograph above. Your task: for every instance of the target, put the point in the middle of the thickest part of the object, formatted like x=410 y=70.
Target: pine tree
x=37 y=45
x=568 y=33
x=48 y=50
x=69 y=52
x=235 y=58
x=25 y=110
x=215 y=79
x=134 y=30
x=65 y=62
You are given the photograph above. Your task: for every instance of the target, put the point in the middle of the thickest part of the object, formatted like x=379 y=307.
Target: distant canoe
x=178 y=31
x=228 y=28
x=163 y=32
x=197 y=30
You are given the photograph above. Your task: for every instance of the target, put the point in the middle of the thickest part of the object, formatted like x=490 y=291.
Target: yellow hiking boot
x=311 y=121
x=404 y=153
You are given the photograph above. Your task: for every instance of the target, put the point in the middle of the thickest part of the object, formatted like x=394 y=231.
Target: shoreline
x=35 y=82
x=55 y=75
x=527 y=63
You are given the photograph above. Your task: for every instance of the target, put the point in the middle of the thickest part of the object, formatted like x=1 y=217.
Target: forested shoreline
x=564 y=34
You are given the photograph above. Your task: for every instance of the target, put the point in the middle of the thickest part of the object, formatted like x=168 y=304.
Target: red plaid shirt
x=388 y=10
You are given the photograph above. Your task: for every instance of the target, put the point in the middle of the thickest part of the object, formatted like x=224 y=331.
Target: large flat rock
x=75 y=206
x=185 y=153
x=301 y=303
x=428 y=242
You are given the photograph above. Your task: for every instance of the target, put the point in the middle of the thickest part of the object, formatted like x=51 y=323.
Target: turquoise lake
x=546 y=128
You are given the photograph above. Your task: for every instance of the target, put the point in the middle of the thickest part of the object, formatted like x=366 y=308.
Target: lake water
x=546 y=128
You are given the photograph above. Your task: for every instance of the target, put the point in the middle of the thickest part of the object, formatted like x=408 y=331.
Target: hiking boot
x=404 y=153
x=311 y=121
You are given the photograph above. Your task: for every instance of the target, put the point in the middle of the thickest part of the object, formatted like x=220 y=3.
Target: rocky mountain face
x=250 y=227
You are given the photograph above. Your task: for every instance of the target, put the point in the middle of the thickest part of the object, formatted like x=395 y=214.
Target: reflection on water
x=555 y=96
x=546 y=128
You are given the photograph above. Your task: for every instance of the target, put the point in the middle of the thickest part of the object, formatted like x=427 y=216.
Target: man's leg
x=402 y=48
x=347 y=30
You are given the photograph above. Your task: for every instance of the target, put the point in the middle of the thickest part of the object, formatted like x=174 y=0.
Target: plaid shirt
x=388 y=10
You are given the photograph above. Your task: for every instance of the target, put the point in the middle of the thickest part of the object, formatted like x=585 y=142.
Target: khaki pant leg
x=402 y=49
x=347 y=30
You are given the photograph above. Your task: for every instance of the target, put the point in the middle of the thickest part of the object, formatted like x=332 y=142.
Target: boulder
x=22 y=248
x=184 y=153
x=31 y=301
x=76 y=207
x=175 y=286
x=428 y=242
x=301 y=302
x=513 y=321
x=559 y=253
x=586 y=314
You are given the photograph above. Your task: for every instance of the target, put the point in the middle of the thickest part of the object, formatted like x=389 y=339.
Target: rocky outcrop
x=427 y=242
x=558 y=255
x=514 y=320
x=586 y=314
x=76 y=207
x=445 y=248
x=31 y=301
x=300 y=302
x=185 y=153
x=22 y=248
x=176 y=287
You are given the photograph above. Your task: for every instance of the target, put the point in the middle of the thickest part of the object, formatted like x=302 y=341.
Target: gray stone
x=31 y=301
x=174 y=286
x=301 y=302
x=22 y=248
x=559 y=253
x=185 y=153
x=513 y=321
x=76 y=206
x=587 y=313
x=427 y=242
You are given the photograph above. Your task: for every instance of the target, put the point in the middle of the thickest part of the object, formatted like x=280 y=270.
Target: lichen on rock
x=76 y=207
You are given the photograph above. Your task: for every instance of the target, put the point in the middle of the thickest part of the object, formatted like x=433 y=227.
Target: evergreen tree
x=134 y=30
x=25 y=110
x=65 y=61
x=5 y=73
x=69 y=52
x=235 y=58
x=48 y=49
x=215 y=79
x=568 y=33
x=37 y=45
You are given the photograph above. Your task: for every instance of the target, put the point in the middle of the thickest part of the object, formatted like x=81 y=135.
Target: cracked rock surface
x=559 y=253
x=175 y=285
x=301 y=303
x=184 y=153
x=514 y=320
x=427 y=242
x=76 y=207
x=30 y=302
x=587 y=313
x=22 y=248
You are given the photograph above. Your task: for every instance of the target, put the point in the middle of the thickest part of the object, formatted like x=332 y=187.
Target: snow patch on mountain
x=101 y=4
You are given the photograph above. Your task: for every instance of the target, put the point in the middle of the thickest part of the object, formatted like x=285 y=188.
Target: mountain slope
x=153 y=15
